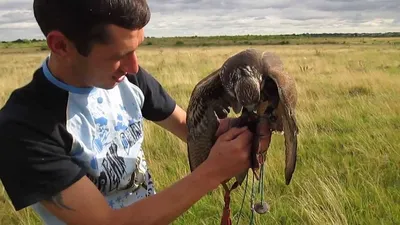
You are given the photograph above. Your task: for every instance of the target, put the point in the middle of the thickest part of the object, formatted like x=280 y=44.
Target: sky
x=223 y=17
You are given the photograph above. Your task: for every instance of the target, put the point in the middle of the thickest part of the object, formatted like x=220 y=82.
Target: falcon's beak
x=251 y=108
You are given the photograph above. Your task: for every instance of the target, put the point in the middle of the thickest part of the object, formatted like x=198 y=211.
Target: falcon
x=247 y=82
x=255 y=85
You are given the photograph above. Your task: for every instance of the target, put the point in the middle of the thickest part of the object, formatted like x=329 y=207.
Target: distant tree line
x=253 y=37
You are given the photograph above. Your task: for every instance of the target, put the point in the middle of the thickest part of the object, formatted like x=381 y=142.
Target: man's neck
x=63 y=72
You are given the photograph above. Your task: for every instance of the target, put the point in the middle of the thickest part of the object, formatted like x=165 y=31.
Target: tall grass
x=349 y=144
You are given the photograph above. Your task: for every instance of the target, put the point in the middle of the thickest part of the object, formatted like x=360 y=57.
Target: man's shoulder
x=158 y=104
x=34 y=160
x=36 y=105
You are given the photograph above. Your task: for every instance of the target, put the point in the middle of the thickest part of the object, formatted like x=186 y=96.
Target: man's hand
x=230 y=154
x=225 y=124
x=265 y=131
x=264 y=138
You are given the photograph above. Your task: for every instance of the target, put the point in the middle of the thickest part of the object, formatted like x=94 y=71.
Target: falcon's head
x=241 y=76
x=247 y=88
x=243 y=85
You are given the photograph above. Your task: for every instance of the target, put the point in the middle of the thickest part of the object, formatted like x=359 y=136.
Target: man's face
x=107 y=64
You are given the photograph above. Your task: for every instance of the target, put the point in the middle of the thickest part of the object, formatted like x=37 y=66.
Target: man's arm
x=176 y=123
x=81 y=203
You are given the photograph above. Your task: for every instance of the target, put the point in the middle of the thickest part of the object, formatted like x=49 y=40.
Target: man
x=71 y=138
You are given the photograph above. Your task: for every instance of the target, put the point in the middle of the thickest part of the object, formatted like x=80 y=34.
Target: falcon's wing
x=204 y=105
x=286 y=108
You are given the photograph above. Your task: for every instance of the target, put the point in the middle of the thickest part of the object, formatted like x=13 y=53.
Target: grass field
x=349 y=144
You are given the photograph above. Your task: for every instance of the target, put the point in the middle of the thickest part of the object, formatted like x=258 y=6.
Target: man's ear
x=60 y=45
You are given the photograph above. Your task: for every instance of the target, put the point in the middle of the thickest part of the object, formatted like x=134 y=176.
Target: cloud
x=207 y=17
x=15 y=16
x=16 y=5
x=356 y=5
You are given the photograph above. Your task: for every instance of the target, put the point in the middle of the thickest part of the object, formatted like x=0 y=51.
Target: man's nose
x=130 y=63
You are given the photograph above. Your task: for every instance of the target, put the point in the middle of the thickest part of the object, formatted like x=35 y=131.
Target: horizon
x=234 y=18
x=373 y=34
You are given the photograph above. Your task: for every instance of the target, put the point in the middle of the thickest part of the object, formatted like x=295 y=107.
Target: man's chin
x=113 y=82
x=107 y=86
x=118 y=79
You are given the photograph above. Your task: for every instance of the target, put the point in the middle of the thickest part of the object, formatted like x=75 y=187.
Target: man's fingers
x=232 y=133
x=223 y=126
x=226 y=124
x=244 y=139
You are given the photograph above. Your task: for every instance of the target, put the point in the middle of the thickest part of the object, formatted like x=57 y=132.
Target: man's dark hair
x=83 y=21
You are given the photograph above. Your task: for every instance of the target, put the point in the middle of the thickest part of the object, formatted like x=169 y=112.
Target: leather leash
x=226 y=216
x=251 y=120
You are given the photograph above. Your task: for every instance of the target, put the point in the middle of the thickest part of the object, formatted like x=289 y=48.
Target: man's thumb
x=232 y=133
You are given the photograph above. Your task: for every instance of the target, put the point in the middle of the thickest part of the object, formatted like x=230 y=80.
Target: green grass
x=238 y=40
x=349 y=144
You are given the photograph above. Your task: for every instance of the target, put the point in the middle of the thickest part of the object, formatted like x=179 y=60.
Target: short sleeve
x=34 y=164
x=158 y=104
